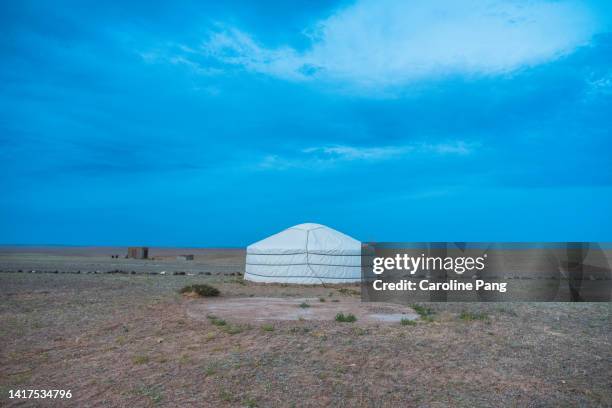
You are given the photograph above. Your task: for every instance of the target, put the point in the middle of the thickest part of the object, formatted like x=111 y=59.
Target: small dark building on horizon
x=138 y=252
x=188 y=257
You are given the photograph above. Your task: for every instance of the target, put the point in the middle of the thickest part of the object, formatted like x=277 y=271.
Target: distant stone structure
x=138 y=252
x=188 y=257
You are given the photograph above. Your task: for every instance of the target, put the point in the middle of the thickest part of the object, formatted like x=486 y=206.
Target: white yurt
x=306 y=254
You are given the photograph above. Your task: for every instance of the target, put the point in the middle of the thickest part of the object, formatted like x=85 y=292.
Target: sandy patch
x=260 y=309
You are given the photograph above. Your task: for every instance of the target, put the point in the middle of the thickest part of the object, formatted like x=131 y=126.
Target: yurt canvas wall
x=307 y=254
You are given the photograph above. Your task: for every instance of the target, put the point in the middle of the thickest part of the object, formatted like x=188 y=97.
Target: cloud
x=381 y=43
x=175 y=58
x=359 y=153
x=601 y=85
x=325 y=157
x=458 y=148
x=237 y=48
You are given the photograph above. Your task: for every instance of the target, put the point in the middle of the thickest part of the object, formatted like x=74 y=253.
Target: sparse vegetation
x=298 y=330
x=471 y=316
x=250 y=403
x=304 y=305
x=349 y=292
x=226 y=396
x=216 y=321
x=140 y=359
x=82 y=335
x=184 y=359
x=407 y=322
x=321 y=299
x=360 y=331
x=210 y=370
x=234 y=328
x=152 y=393
x=425 y=313
x=507 y=311
x=267 y=327
x=201 y=290
x=348 y=318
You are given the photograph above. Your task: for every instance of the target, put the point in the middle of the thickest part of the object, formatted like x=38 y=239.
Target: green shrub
x=216 y=321
x=349 y=318
x=422 y=310
x=407 y=322
x=201 y=290
x=227 y=328
x=304 y=305
x=425 y=313
x=267 y=327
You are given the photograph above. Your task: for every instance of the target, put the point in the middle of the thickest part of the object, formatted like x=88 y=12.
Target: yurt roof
x=307 y=237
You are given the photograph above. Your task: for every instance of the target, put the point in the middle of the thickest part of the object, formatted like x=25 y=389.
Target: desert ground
x=116 y=332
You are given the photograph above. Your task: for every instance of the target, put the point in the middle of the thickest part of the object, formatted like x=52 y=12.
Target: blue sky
x=194 y=124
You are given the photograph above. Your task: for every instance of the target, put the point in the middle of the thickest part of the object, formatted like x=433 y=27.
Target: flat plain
x=123 y=339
